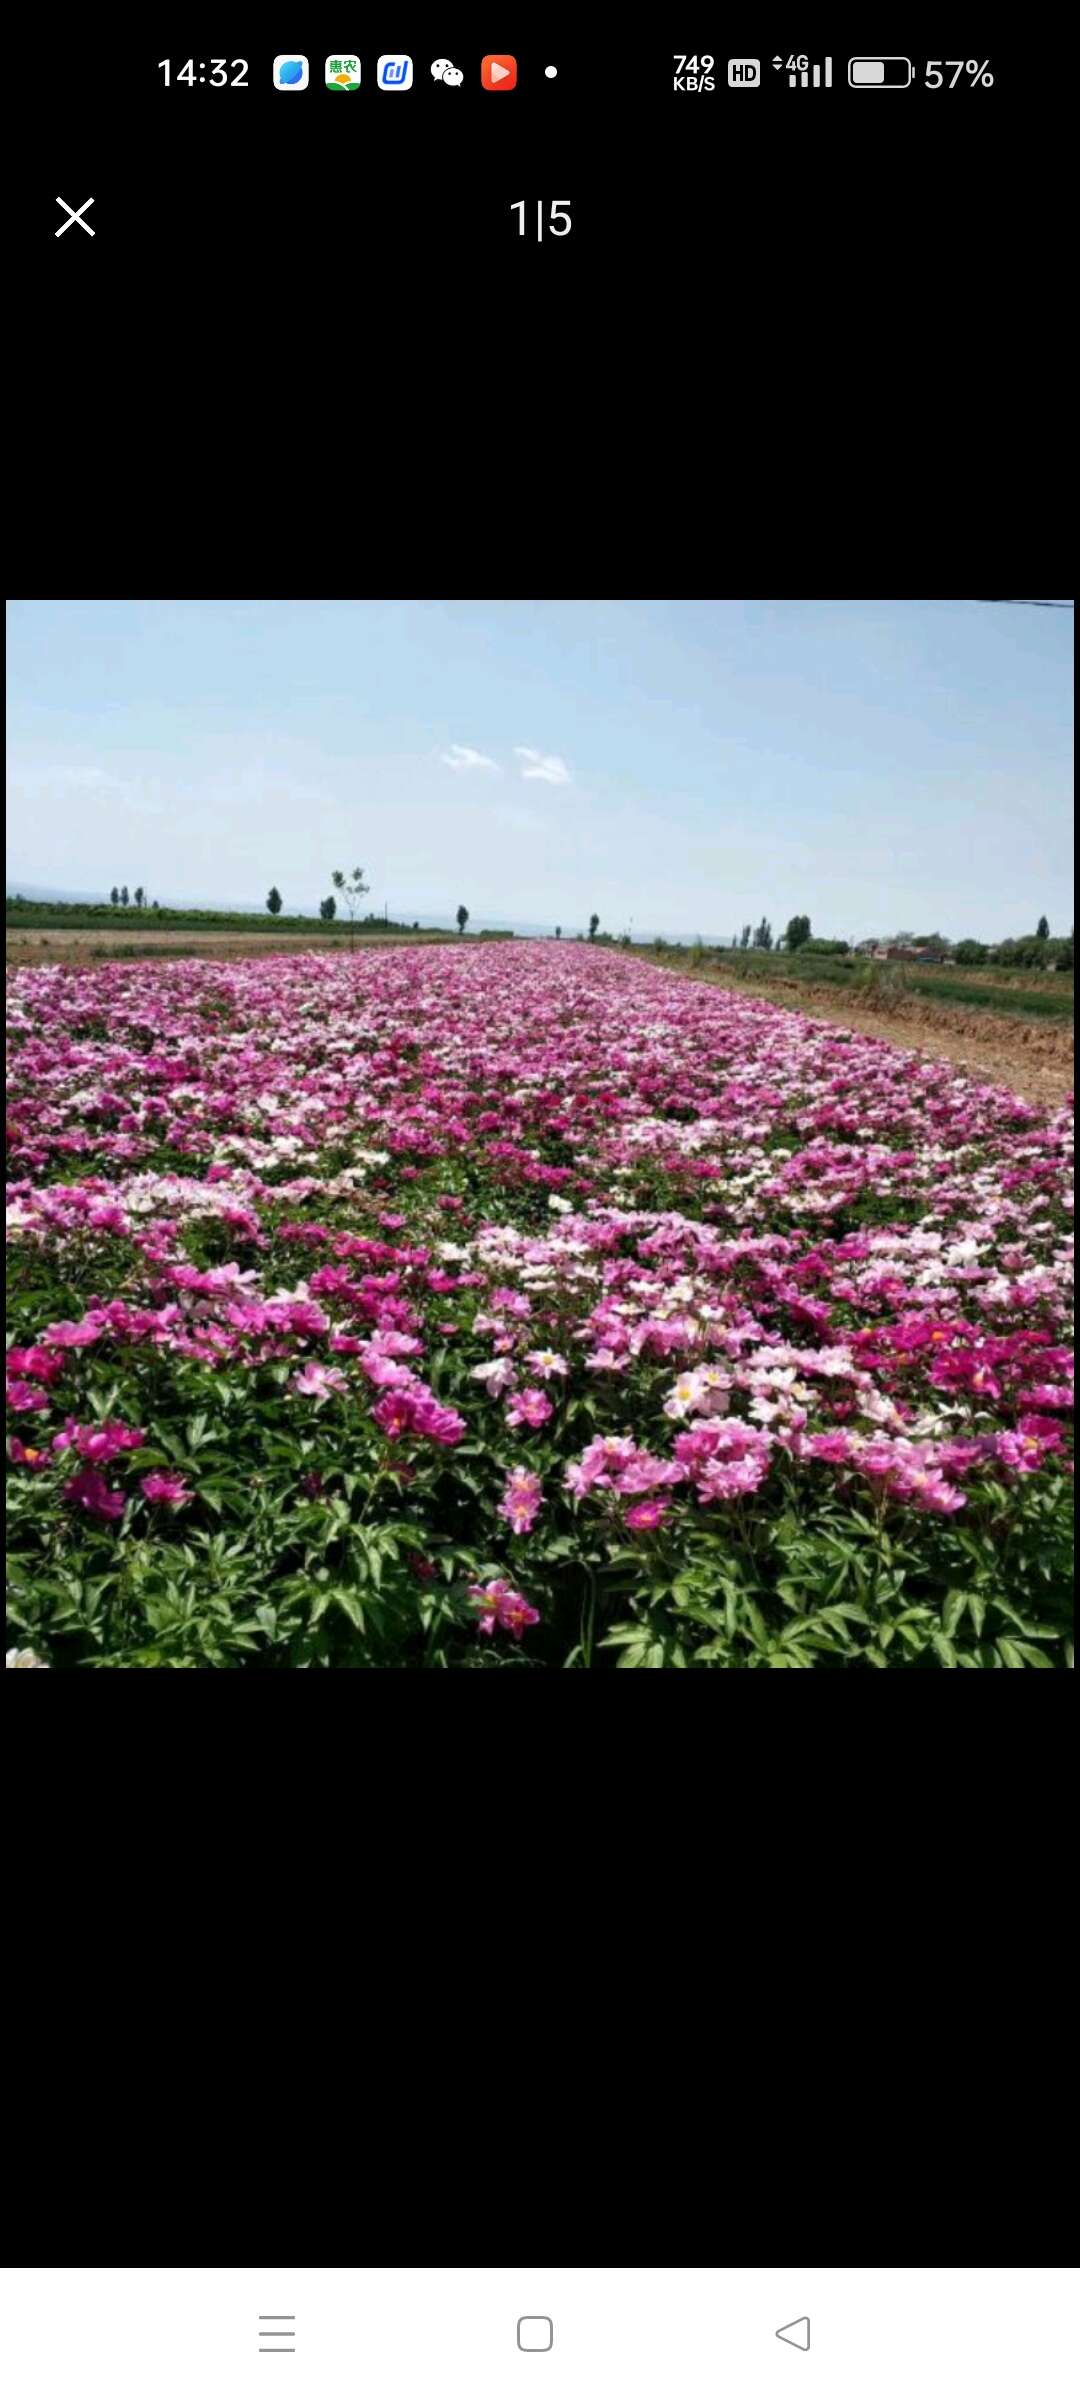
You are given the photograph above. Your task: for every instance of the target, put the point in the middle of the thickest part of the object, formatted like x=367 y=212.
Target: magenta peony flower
x=22 y=1454
x=437 y=1424
x=647 y=1515
x=501 y=1606
x=169 y=1489
x=24 y=1397
x=393 y=1415
x=89 y=1490
x=99 y=1443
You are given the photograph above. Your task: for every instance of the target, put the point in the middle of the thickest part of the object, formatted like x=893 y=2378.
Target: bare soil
x=28 y=947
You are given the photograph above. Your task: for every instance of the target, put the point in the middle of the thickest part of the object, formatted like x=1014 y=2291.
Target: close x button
x=75 y=216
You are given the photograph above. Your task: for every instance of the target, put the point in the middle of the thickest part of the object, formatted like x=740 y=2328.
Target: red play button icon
x=498 y=74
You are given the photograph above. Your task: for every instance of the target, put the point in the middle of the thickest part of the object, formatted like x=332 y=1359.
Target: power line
x=1026 y=604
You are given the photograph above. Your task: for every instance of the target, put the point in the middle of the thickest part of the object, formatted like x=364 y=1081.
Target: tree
x=558 y=933
x=114 y=895
x=744 y=938
x=1043 y=930
x=273 y=900
x=123 y=895
x=763 y=935
x=969 y=954
x=594 y=926
x=140 y=896
x=328 y=909
x=462 y=918
x=798 y=932
x=352 y=889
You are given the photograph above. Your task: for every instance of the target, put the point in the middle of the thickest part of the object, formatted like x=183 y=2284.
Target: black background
x=795 y=340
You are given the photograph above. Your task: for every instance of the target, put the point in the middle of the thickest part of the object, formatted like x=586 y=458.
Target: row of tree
x=1029 y=950
x=352 y=889
x=1040 y=949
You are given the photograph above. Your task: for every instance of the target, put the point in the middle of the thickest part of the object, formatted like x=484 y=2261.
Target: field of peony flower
x=522 y=1307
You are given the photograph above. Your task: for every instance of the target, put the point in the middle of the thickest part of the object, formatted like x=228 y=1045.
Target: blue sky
x=676 y=765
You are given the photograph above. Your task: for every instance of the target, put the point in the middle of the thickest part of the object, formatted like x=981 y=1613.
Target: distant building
x=929 y=952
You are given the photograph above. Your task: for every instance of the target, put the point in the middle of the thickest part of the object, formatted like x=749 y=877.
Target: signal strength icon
x=806 y=71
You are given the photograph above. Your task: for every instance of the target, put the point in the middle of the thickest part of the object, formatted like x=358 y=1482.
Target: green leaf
x=955 y=1604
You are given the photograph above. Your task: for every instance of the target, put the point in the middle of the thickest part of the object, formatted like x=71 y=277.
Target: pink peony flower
x=393 y=1415
x=89 y=1490
x=99 y=1443
x=1044 y=1432
x=501 y=1606
x=647 y=1515
x=644 y=1473
x=925 y=1488
x=37 y=1363
x=729 y=1478
x=530 y=1407
x=521 y=1501
x=833 y=1446
x=25 y=1397
x=167 y=1488
x=546 y=1363
x=318 y=1382
x=436 y=1423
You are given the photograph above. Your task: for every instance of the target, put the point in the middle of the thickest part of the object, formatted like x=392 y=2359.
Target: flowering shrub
x=522 y=1306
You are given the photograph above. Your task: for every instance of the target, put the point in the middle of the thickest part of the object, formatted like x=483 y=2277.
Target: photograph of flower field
x=526 y=1303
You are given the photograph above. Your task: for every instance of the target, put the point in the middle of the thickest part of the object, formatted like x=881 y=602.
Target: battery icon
x=879 y=74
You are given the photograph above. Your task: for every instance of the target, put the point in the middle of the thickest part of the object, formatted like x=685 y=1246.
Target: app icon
x=394 y=74
x=445 y=73
x=290 y=73
x=343 y=75
x=498 y=74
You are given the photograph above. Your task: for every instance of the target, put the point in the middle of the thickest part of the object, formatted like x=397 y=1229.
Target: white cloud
x=459 y=755
x=545 y=770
